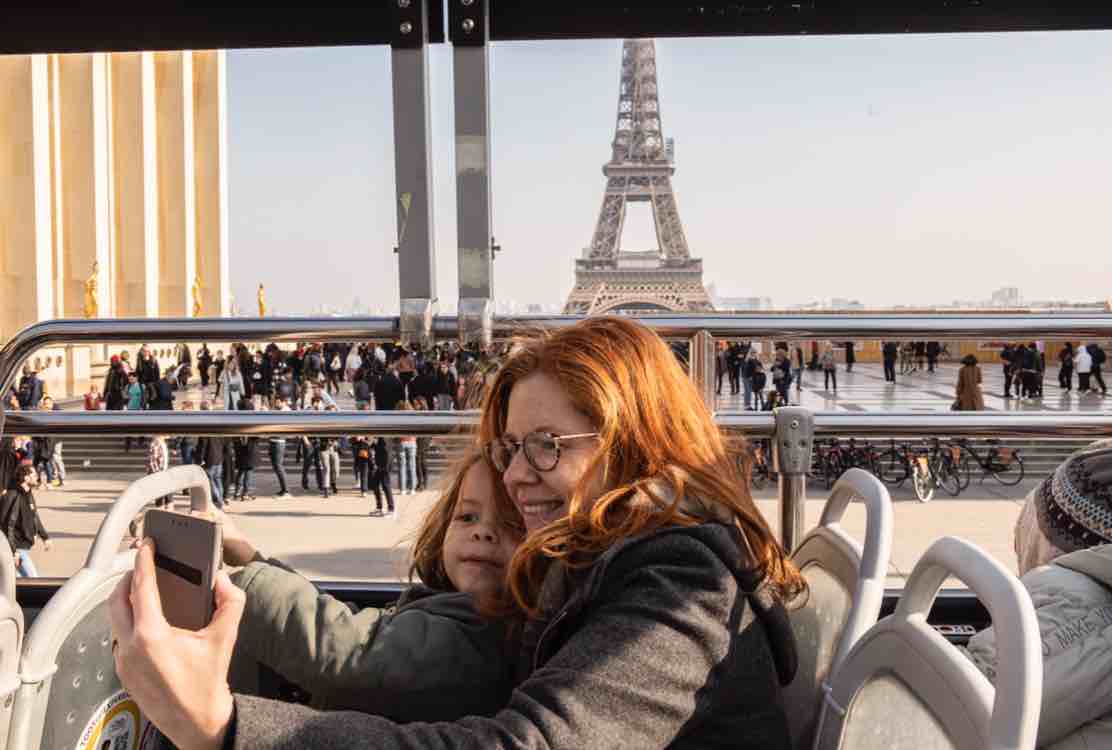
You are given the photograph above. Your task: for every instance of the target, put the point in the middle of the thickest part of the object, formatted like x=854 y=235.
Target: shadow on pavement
x=369 y=563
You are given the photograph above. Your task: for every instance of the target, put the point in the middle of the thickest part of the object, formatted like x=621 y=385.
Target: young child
x=430 y=657
x=21 y=521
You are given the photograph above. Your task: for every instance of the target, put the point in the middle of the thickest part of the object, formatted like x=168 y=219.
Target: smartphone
x=188 y=554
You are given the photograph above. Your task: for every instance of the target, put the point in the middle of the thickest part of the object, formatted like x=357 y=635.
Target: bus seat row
x=861 y=684
x=897 y=683
x=66 y=690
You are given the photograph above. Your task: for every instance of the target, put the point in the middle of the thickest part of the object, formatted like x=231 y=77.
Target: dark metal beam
x=581 y=19
x=122 y=27
x=107 y=26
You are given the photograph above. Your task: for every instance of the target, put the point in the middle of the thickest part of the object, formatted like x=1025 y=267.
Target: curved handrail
x=138 y=494
x=1019 y=678
x=877 y=548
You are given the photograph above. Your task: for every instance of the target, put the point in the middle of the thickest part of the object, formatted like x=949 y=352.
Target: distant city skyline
x=807 y=168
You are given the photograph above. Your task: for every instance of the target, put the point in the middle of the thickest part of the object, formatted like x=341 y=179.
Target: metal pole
x=701 y=367
x=791 y=455
x=468 y=30
x=413 y=172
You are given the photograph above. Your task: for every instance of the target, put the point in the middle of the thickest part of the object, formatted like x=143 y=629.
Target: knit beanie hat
x=1071 y=509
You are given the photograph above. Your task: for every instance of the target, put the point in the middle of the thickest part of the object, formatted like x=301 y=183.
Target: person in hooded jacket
x=1063 y=542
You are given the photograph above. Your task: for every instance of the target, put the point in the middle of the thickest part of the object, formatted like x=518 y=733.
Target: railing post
x=791 y=456
x=701 y=367
x=469 y=22
x=413 y=171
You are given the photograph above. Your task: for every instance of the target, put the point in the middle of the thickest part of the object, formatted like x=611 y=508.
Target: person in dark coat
x=380 y=475
x=147 y=367
x=1065 y=369
x=933 y=349
x=246 y=457
x=890 y=352
x=20 y=518
x=210 y=452
x=851 y=356
x=115 y=385
x=1099 y=357
x=30 y=389
x=389 y=391
x=1008 y=359
x=204 y=362
x=163 y=392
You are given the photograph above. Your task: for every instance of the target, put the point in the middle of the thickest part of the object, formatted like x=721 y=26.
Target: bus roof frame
x=108 y=27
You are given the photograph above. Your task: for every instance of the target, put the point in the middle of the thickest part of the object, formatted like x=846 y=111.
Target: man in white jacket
x=1083 y=362
x=1063 y=540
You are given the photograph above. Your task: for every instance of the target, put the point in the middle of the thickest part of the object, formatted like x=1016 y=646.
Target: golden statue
x=91 y=292
x=262 y=302
x=196 y=296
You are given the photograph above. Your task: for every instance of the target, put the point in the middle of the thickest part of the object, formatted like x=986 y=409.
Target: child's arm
x=437 y=662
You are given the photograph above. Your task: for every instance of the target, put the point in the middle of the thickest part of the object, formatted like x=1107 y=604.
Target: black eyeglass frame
x=518 y=445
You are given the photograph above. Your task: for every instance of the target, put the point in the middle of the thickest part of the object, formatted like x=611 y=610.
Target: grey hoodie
x=1073 y=602
x=666 y=641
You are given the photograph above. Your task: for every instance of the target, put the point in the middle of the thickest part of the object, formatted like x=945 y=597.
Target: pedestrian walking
x=380 y=484
x=968 y=395
x=1098 y=356
x=158 y=459
x=829 y=368
x=1065 y=367
x=20 y=517
x=1083 y=363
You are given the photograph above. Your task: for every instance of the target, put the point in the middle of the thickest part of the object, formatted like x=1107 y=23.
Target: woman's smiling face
x=538 y=403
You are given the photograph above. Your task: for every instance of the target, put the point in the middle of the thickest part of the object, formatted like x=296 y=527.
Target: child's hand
x=238 y=550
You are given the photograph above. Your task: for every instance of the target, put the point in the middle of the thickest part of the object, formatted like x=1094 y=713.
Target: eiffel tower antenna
x=608 y=278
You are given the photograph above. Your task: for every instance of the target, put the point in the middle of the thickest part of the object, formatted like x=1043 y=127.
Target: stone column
x=210 y=132
x=26 y=251
x=81 y=175
x=134 y=167
x=176 y=209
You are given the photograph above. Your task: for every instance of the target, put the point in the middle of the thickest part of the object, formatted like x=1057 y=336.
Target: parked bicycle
x=1005 y=465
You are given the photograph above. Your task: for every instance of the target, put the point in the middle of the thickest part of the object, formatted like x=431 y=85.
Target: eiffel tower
x=609 y=279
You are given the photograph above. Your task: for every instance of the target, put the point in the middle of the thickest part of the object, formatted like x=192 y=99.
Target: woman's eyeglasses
x=542 y=449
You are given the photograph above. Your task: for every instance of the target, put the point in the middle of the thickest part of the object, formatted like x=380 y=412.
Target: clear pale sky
x=894 y=170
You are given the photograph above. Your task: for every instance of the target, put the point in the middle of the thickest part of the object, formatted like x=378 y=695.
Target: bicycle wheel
x=1009 y=474
x=923 y=482
x=946 y=475
x=964 y=471
x=832 y=469
x=892 y=468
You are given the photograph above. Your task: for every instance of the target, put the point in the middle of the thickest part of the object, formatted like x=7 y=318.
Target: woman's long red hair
x=663 y=460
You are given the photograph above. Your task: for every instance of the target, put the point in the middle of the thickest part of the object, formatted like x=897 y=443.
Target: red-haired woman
x=648 y=587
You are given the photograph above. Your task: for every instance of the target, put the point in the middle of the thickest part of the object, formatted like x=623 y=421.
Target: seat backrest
x=905 y=686
x=70 y=695
x=11 y=640
x=846 y=588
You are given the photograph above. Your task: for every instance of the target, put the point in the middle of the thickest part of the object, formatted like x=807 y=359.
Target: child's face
x=478 y=545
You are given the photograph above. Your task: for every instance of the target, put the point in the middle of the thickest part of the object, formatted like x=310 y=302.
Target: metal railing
x=695 y=327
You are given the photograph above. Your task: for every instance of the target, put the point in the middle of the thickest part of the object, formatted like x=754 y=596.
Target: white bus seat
x=70 y=691
x=11 y=640
x=846 y=582
x=904 y=686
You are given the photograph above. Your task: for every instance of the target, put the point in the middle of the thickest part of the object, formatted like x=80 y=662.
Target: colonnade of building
x=113 y=189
